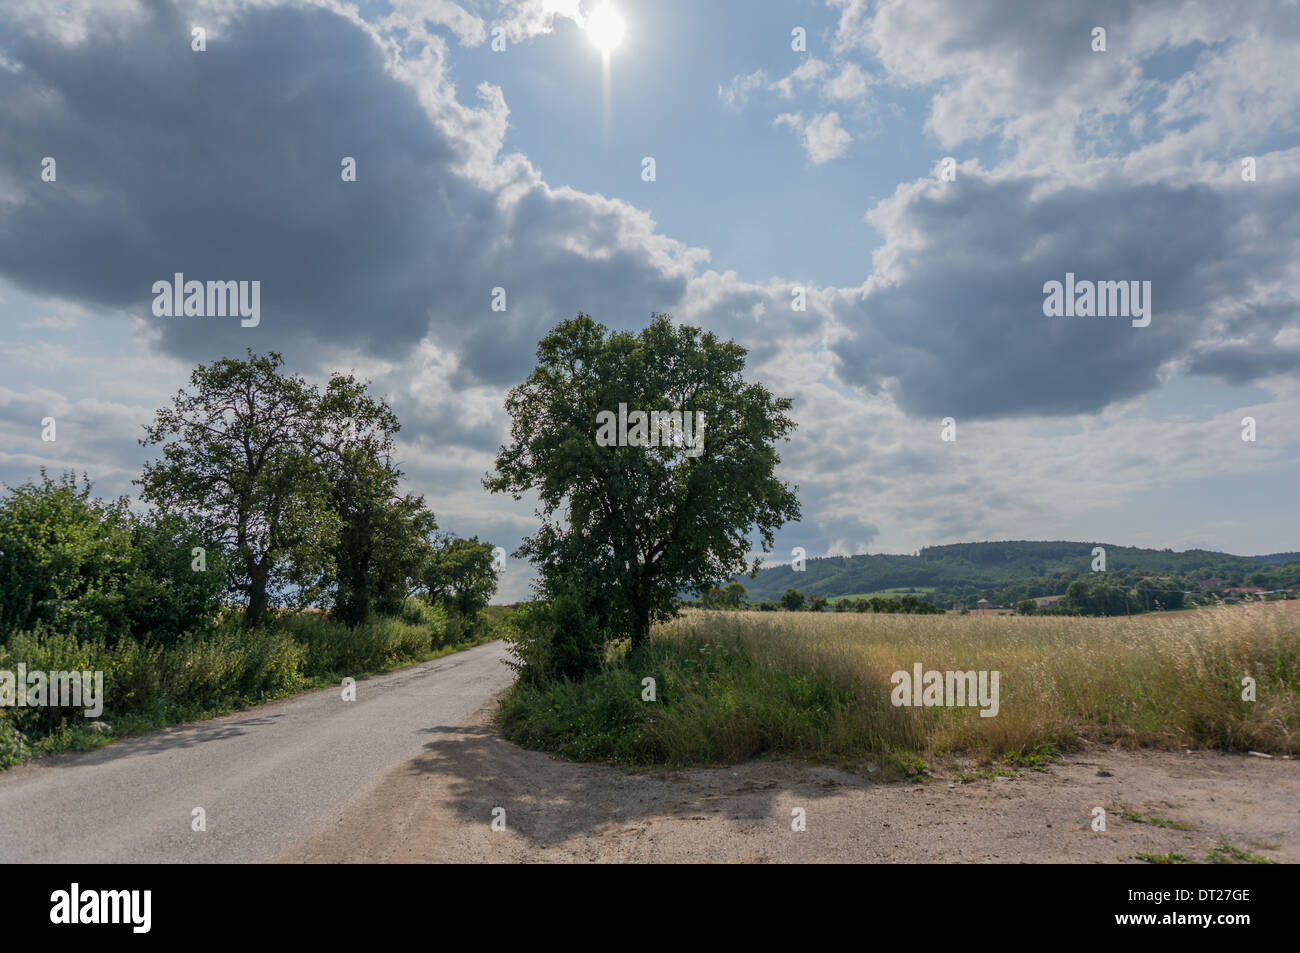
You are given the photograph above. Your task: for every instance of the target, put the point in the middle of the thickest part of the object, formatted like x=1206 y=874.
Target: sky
x=919 y=171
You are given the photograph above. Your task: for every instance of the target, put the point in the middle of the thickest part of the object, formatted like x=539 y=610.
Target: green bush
x=89 y=566
x=133 y=682
x=557 y=639
x=201 y=672
x=230 y=666
x=165 y=594
x=48 y=651
x=13 y=743
x=444 y=627
x=333 y=648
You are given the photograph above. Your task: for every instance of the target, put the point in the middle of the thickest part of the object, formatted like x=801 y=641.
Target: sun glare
x=606 y=28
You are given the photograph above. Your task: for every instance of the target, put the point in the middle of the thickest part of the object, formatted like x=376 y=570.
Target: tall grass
x=732 y=685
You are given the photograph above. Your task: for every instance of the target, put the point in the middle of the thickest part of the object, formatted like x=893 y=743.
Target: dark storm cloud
x=963 y=330
x=1242 y=365
x=225 y=165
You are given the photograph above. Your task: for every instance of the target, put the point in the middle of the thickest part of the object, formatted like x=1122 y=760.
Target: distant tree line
x=733 y=596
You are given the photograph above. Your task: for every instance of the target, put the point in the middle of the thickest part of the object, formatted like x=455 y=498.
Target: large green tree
x=633 y=526
x=383 y=542
x=239 y=454
x=295 y=483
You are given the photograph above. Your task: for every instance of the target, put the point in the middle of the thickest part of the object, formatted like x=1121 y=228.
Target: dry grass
x=1159 y=679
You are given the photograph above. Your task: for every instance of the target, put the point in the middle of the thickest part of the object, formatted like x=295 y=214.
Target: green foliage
x=382 y=547
x=62 y=554
x=295 y=484
x=461 y=573
x=13 y=743
x=733 y=596
x=909 y=605
x=197 y=673
x=561 y=636
x=714 y=704
x=382 y=554
x=89 y=566
x=337 y=649
x=240 y=455
x=792 y=600
x=1154 y=595
x=1088 y=598
x=170 y=592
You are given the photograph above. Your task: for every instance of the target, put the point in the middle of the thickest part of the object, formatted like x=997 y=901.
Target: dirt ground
x=440 y=807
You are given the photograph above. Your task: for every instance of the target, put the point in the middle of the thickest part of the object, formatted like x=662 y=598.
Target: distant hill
x=1278 y=559
x=961 y=570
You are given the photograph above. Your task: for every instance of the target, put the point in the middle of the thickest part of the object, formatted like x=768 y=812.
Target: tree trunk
x=256 y=612
x=641 y=634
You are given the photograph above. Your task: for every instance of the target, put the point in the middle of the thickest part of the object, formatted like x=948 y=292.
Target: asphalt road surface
x=267 y=778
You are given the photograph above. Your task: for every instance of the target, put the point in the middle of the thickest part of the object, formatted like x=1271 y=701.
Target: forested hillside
x=1007 y=571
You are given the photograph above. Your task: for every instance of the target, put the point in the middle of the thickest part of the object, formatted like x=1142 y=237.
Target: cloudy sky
x=497 y=147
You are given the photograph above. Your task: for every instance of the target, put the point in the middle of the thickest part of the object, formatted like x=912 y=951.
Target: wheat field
x=1160 y=679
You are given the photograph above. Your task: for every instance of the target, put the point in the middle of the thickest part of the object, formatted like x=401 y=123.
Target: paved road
x=268 y=777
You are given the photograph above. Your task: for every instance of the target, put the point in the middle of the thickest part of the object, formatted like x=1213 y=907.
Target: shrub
x=13 y=743
x=444 y=627
x=561 y=638
x=44 y=650
x=333 y=648
x=88 y=566
x=63 y=555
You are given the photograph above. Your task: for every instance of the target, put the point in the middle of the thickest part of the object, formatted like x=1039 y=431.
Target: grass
x=1222 y=853
x=988 y=774
x=1155 y=821
x=1225 y=853
x=735 y=685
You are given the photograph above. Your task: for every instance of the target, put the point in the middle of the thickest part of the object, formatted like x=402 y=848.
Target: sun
x=605 y=27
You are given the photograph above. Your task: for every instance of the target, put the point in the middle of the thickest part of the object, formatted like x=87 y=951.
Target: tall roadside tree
x=238 y=455
x=632 y=526
x=384 y=539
